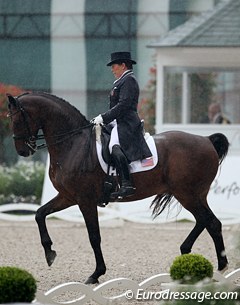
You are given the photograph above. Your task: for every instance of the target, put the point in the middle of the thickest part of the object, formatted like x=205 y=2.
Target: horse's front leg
x=90 y=215
x=58 y=203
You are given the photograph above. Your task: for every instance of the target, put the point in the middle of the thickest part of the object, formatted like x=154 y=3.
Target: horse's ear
x=11 y=100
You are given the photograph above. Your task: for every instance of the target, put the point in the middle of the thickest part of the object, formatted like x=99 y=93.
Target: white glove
x=97 y=120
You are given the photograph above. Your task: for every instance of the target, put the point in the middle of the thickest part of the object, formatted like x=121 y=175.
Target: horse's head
x=24 y=127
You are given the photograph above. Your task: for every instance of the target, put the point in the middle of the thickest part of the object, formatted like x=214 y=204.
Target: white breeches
x=114 y=137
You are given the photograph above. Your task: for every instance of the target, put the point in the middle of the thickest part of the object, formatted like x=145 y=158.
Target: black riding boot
x=122 y=168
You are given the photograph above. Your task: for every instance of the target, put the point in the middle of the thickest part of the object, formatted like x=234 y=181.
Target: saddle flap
x=105 y=139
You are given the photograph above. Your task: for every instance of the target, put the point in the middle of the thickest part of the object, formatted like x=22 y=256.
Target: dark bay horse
x=186 y=168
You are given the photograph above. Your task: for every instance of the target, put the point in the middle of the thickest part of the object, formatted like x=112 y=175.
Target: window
x=188 y=92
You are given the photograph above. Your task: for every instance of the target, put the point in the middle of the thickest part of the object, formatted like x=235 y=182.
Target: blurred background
x=62 y=47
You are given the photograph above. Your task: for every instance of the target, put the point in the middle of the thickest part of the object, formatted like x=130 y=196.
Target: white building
x=199 y=63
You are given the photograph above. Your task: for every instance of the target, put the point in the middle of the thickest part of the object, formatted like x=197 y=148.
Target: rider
x=127 y=142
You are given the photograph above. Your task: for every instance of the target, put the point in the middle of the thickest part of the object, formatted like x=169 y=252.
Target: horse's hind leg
x=206 y=219
x=186 y=246
x=90 y=215
x=58 y=203
x=214 y=228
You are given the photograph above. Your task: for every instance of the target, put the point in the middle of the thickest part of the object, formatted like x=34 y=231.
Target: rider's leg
x=122 y=167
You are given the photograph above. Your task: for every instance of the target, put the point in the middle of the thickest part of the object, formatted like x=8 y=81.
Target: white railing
x=130 y=289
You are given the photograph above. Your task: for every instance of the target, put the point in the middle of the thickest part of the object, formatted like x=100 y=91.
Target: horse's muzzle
x=27 y=149
x=24 y=153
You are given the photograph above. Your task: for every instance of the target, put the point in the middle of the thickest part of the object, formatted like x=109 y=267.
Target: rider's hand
x=97 y=120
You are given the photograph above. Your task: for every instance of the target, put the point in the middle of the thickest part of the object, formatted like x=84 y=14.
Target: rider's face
x=118 y=69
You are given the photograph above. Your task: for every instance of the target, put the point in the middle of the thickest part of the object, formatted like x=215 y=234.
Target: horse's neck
x=56 y=121
x=65 y=135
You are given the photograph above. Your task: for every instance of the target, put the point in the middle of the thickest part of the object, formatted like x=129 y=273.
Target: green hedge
x=22 y=181
x=191 y=268
x=16 y=285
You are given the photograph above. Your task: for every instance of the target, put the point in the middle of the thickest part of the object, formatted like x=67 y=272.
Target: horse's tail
x=221 y=145
x=159 y=203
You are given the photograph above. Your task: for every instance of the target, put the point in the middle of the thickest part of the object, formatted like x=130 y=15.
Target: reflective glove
x=97 y=120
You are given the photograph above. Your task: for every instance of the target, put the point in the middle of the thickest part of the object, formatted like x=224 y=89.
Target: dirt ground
x=131 y=250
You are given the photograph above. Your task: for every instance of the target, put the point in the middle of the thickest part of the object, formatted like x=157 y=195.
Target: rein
x=66 y=136
x=30 y=140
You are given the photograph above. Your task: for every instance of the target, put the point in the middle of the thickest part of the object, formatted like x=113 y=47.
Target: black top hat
x=121 y=57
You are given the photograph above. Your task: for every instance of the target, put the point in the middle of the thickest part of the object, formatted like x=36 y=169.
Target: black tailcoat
x=123 y=107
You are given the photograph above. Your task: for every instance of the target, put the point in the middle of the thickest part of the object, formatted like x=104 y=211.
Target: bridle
x=31 y=140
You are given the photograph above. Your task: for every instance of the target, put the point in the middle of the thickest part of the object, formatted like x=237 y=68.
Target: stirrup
x=124 y=191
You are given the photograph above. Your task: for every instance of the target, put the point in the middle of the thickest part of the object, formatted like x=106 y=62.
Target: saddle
x=110 y=183
x=105 y=139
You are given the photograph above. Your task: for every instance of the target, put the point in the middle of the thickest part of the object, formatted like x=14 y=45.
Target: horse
x=187 y=165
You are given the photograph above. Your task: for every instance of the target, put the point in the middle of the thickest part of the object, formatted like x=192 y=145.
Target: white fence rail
x=129 y=290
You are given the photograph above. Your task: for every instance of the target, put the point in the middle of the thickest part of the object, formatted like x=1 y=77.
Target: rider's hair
x=127 y=63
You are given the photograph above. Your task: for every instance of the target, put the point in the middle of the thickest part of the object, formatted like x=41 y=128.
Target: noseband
x=30 y=139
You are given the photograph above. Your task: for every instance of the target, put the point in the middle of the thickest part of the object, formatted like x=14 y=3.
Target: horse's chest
x=56 y=173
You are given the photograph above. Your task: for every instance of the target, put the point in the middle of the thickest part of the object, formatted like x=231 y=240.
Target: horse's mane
x=66 y=108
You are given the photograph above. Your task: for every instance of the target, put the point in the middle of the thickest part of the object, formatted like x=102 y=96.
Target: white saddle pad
x=135 y=166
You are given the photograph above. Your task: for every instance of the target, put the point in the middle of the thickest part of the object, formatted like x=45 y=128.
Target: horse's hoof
x=223 y=270
x=50 y=257
x=91 y=280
